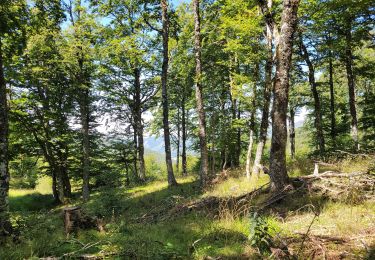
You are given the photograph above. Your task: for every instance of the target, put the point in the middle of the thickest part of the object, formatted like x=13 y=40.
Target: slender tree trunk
x=61 y=191
x=213 y=170
x=351 y=85
x=84 y=106
x=5 y=226
x=164 y=82
x=141 y=152
x=249 y=151
x=199 y=95
x=127 y=180
x=55 y=192
x=66 y=182
x=317 y=109
x=224 y=156
x=238 y=150
x=292 y=133
x=85 y=118
x=184 y=165
x=252 y=127
x=178 y=141
x=135 y=153
x=62 y=165
x=278 y=172
x=266 y=99
x=233 y=154
x=139 y=125
x=332 y=100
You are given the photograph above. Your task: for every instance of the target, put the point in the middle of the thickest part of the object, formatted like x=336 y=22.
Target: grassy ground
x=196 y=235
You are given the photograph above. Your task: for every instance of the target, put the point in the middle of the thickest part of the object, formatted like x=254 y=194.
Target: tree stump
x=75 y=219
x=72 y=219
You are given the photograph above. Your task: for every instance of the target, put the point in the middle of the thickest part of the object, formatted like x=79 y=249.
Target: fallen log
x=331 y=174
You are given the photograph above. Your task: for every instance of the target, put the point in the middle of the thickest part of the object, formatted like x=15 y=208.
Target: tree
x=278 y=171
x=42 y=99
x=317 y=105
x=80 y=63
x=11 y=33
x=270 y=28
x=164 y=81
x=5 y=227
x=199 y=95
x=129 y=62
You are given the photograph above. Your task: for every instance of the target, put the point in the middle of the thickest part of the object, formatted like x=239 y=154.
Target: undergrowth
x=194 y=235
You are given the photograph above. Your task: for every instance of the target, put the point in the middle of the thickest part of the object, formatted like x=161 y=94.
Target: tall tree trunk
x=238 y=146
x=317 y=109
x=266 y=98
x=249 y=151
x=139 y=125
x=84 y=107
x=178 y=141
x=85 y=118
x=5 y=226
x=55 y=192
x=278 y=172
x=199 y=95
x=332 y=100
x=164 y=82
x=233 y=154
x=60 y=186
x=66 y=182
x=292 y=133
x=183 y=123
x=252 y=127
x=135 y=153
x=351 y=85
x=213 y=162
x=62 y=165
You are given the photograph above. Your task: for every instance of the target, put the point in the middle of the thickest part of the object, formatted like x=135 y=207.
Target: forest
x=187 y=129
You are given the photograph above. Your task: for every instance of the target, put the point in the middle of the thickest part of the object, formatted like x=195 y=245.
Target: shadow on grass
x=31 y=202
x=371 y=252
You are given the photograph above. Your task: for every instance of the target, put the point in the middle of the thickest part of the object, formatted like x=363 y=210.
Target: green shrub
x=24 y=172
x=260 y=233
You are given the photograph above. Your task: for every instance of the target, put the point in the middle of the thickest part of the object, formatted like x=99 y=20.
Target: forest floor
x=321 y=218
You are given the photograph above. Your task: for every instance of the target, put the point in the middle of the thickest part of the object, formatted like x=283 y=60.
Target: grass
x=192 y=236
x=27 y=200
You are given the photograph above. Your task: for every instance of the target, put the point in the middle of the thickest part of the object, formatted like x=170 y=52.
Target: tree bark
x=238 y=150
x=178 y=141
x=5 y=226
x=351 y=85
x=55 y=192
x=332 y=100
x=249 y=151
x=199 y=95
x=135 y=154
x=167 y=142
x=266 y=98
x=137 y=110
x=85 y=119
x=183 y=123
x=278 y=171
x=317 y=109
x=292 y=133
x=252 y=126
x=85 y=125
x=84 y=107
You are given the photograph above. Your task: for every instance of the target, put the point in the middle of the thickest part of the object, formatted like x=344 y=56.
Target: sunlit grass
x=235 y=186
x=194 y=235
